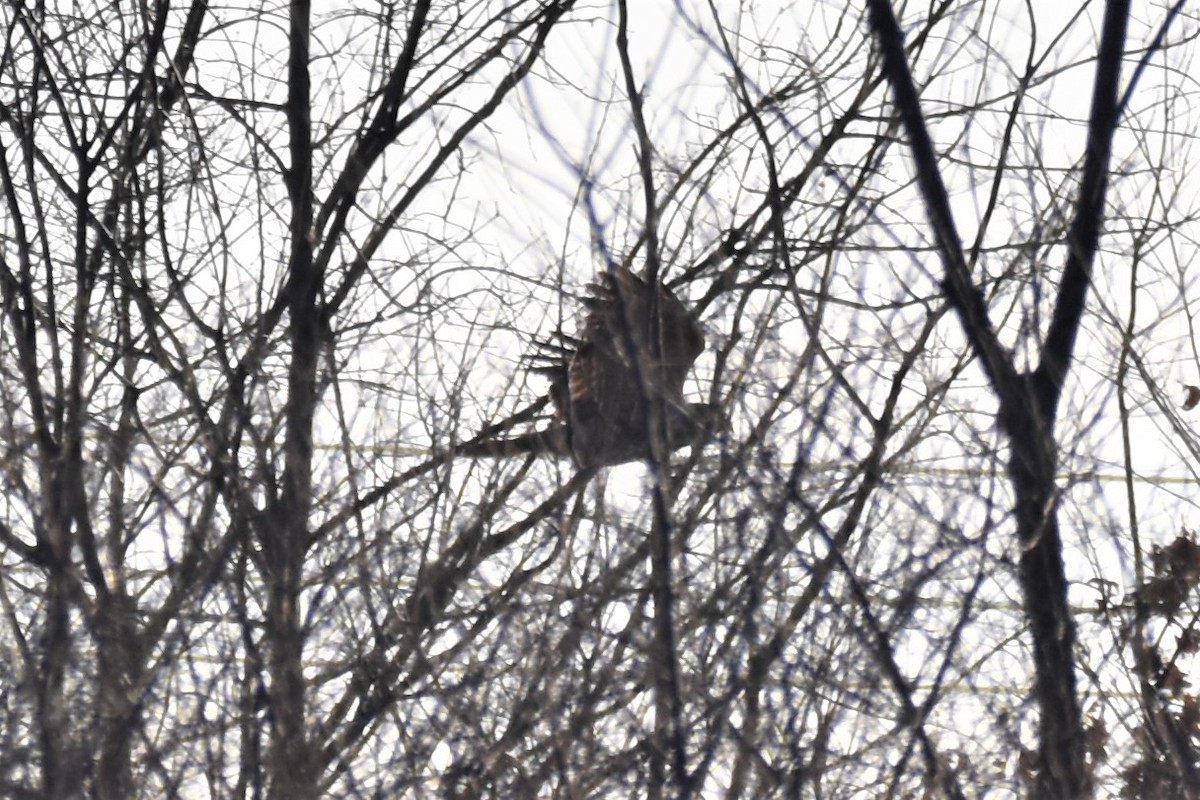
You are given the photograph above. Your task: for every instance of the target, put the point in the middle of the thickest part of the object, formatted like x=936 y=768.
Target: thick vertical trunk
x=291 y=762
x=1063 y=772
x=60 y=774
x=119 y=662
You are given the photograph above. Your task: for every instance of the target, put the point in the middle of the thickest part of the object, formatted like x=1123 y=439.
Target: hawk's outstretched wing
x=605 y=380
x=606 y=370
x=616 y=370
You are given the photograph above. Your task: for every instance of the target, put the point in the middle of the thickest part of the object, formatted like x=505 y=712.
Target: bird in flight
x=606 y=381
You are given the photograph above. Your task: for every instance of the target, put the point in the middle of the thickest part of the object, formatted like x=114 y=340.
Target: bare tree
x=294 y=506
x=1029 y=400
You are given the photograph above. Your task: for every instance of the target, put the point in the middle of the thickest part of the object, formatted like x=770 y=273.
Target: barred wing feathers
x=601 y=387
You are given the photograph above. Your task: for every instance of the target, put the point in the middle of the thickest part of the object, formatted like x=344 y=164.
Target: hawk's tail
x=549 y=442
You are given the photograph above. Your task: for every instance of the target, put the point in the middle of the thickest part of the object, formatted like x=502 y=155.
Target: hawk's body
x=605 y=381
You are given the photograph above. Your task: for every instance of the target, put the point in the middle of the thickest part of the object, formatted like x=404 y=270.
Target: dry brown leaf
x=1193 y=397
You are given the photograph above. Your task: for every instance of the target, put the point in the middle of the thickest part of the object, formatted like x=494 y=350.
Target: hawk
x=605 y=381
